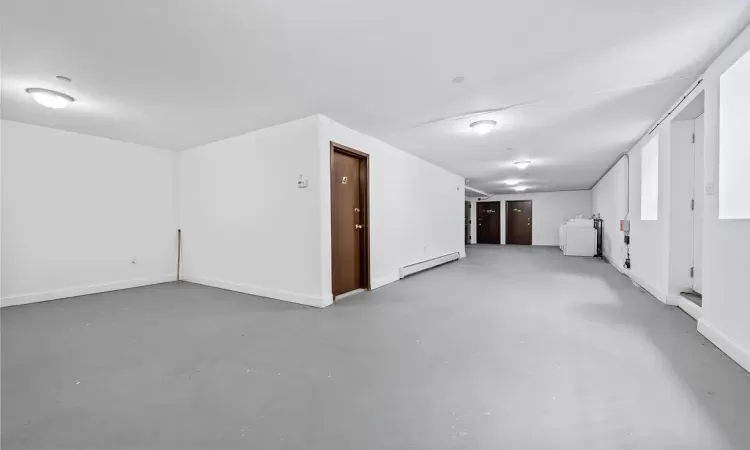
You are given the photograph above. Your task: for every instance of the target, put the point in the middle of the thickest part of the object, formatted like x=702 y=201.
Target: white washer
x=578 y=238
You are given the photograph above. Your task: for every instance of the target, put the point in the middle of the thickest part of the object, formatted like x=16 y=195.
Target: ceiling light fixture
x=522 y=164
x=520 y=188
x=49 y=98
x=511 y=182
x=483 y=126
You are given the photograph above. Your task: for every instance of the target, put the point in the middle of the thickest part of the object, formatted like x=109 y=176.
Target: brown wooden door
x=488 y=222
x=467 y=223
x=518 y=222
x=349 y=242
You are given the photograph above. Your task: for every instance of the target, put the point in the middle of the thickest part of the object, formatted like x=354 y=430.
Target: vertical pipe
x=179 y=252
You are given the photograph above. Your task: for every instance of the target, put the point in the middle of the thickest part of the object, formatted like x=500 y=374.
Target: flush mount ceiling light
x=520 y=188
x=50 y=98
x=522 y=164
x=511 y=182
x=483 y=126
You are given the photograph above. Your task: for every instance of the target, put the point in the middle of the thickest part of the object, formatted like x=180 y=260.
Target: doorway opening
x=518 y=226
x=350 y=220
x=697 y=207
x=488 y=222
x=467 y=223
x=687 y=200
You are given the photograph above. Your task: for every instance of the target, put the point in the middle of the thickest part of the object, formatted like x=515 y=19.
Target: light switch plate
x=710 y=188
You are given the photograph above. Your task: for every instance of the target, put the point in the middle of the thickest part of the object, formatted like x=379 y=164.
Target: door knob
x=358 y=226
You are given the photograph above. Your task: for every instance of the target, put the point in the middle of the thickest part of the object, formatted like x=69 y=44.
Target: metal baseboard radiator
x=411 y=269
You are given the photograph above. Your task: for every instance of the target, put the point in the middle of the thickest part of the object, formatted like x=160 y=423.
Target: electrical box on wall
x=302 y=182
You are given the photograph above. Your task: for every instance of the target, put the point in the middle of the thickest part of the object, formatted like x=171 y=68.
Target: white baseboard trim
x=619 y=268
x=623 y=270
x=650 y=289
x=262 y=291
x=673 y=300
x=326 y=300
x=740 y=355
x=382 y=281
x=695 y=311
x=24 y=299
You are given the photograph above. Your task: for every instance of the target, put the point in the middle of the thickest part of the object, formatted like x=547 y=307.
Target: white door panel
x=698 y=193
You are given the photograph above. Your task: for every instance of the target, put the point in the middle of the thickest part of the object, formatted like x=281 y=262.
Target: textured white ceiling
x=179 y=73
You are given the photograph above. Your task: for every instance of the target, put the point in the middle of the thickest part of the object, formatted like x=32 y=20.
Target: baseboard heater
x=411 y=269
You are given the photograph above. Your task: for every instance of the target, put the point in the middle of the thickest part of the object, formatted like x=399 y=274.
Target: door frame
x=364 y=199
x=531 y=216
x=499 y=221
x=698 y=181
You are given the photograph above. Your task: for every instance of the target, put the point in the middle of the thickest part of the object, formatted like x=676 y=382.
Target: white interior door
x=698 y=211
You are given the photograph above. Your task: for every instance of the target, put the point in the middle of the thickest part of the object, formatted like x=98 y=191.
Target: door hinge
x=693 y=138
x=692 y=205
x=692 y=272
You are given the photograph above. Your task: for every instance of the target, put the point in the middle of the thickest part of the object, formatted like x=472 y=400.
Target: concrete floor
x=510 y=348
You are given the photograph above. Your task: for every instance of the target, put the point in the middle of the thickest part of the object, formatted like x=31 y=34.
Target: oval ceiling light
x=483 y=126
x=511 y=182
x=522 y=164
x=520 y=188
x=50 y=98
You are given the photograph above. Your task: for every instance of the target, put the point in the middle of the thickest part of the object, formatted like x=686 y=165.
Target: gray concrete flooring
x=510 y=348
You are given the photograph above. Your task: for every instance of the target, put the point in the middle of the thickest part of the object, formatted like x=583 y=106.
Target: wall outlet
x=133 y=261
x=302 y=182
x=710 y=188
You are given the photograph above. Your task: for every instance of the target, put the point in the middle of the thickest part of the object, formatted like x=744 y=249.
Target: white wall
x=735 y=140
x=416 y=208
x=549 y=210
x=609 y=198
x=246 y=225
x=649 y=241
x=649 y=244
x=76 y=209
x=726 y=242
